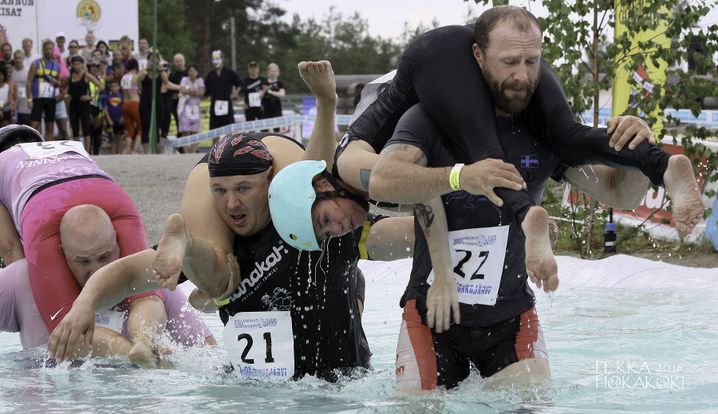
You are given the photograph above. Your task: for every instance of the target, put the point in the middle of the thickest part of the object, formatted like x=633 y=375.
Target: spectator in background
x=131 y=107
x=6 y=52
x=62 y=52
x=147 y=82
x=254 y=88
x=43 y=78
x=61 y=116
x=89 y=46
x=7 y=96
x=221 y=85
x=191 y=92
x=143 y=53
x=121 y=143
x=104 y=51
x=125 y=48
x=78 y=87
x=179 y=72
x=94 y=68
x=271 y=102
x=73 y=49
x=28 y=51
x=19 y=78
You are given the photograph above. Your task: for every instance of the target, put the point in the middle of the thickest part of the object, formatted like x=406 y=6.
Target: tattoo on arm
x=364 y=176
x=425 y=214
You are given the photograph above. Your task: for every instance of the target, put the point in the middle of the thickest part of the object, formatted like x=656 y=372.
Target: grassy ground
x=630 y=240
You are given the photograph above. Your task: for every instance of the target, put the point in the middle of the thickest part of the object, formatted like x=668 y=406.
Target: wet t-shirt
x=319 y=291
x=482 y=236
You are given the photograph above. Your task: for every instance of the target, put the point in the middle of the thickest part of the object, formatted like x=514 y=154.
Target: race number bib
x=254 y=100
x=192 y=112
x=126 y=82
x=45 y=90
x=110 y=319
x=49 y=149
x=261 y=344
x=21 y=93
x=221 y=108
x=477 y=257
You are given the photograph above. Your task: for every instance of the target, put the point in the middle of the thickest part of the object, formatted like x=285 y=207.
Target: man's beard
x=512 y=106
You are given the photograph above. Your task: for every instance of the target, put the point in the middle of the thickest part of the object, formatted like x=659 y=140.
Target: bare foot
x=681 y=186
x=141 y=355
x=170 y=252
x=540 y=263
x=319 y=77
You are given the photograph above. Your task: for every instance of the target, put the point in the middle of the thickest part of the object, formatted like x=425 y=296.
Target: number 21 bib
x=261 y=344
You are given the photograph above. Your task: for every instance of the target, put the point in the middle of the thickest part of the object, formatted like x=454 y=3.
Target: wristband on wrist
x=454 y=177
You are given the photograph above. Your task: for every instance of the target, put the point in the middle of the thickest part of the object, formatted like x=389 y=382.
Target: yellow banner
x=647 y=75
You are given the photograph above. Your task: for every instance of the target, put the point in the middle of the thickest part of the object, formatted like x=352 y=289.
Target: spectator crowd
x=101 y=94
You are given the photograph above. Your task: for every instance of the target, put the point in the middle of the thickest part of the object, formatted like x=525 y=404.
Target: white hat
x=60 y=34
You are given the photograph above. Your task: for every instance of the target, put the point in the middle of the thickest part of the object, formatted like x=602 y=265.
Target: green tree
x=173 y=30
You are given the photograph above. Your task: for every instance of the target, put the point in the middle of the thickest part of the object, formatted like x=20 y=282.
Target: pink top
x=18 y=312
x=64 y=72
x=26 y=167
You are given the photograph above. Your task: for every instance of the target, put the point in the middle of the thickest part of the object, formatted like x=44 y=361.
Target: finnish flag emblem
x=529 y=161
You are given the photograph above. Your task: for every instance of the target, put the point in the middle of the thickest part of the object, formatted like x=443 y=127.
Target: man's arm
x=400 y=164
x=442 y=298
x=621 y=188
x=28 y=85
x=11 y=249
x=391 y=239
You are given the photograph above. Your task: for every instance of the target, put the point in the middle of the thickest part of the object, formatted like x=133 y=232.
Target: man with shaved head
x=88 y=242
x=179 y=71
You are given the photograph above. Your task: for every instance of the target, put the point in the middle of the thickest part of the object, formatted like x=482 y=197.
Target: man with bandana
x=221 y=85
x=287 y=313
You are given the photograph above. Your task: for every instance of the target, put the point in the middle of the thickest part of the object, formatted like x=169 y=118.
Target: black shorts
x=426 y=359
x=43 y=105
x=118 y=128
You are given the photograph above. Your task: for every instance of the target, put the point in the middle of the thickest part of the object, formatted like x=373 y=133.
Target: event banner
x=646 y=76
x=43 y=19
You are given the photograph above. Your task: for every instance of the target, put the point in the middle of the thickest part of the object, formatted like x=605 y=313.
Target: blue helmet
x=17 y=134
x=291 y=197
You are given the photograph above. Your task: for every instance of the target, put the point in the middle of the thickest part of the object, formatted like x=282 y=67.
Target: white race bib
x=192 y=112
x=21 y=93
x=110 y=319
x=49 y=149
x=45 y=90
x=126 y=82
x=261 y=344
x=254 y=100
x=142 y=64
x=221 y=108
x=477 y=257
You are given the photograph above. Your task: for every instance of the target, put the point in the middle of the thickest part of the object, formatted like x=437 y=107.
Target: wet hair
x=132 y=64
x=520 y=18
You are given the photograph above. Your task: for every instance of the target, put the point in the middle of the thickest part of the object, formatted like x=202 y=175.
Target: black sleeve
x=416 y=129
x=208 y=84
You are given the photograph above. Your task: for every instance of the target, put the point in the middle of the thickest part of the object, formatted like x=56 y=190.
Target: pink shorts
x=53 y=285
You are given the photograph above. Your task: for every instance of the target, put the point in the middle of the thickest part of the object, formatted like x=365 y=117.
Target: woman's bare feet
x=680 y=183
x=167 y=265
x=319 y=77
x=540 y=263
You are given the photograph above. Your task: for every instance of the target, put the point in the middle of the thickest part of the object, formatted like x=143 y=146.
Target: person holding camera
x=146 y=81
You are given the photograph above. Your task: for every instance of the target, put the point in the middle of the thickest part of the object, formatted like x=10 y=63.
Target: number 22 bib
x=477 y=260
